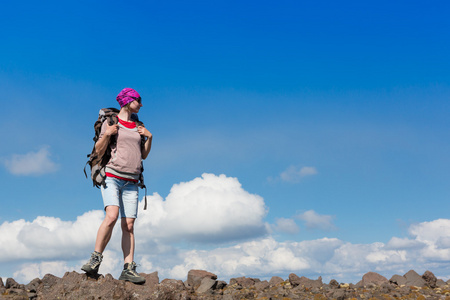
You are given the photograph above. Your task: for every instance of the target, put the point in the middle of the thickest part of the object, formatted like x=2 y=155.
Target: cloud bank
x=212 y=223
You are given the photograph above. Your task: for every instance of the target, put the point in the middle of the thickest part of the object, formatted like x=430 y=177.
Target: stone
x=12 y=284
x=440 y=283
x=151 y=279
x=294 y=280
x=398 y=280
x=173 y=284
x=430 y=279
x=275 y=280
x=74 y=286
x=334 y=284
x=18 y=293
x=339 y=294
x=244 y=282
x=1 y=283
x=207 y=285
x=221 y=285
x=386 y=288
x=195 y=277
x=414 y=279
x=33 y=285
x=372 y=278
x=309 y=283
x=262 y=285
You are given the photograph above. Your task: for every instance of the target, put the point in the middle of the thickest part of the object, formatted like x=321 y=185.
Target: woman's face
x=136 y=105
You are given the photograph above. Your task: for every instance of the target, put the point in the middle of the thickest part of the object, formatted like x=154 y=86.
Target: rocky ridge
x=201 y=284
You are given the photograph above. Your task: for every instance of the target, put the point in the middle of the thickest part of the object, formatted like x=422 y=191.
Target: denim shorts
x=121 y=193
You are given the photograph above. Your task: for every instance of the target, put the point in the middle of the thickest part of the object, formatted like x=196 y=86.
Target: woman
x=120 y=192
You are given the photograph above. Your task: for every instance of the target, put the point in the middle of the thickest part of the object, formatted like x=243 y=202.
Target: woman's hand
x=111 y=130
x=144 y=131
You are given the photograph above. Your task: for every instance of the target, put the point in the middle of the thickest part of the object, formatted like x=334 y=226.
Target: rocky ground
x=204 y=285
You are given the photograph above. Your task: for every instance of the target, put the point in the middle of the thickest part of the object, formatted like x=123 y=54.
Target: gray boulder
x=372 y=278
x=414 y=279
x=207 y=285
x=33 y=285
x=430 y=279
x=275 y=280
x=244 y=282
x=334 y=284
x=304 y=282
x=195 y=277
x=440 y=283
x=262 y=285
x=398 y=280
x=12 y=284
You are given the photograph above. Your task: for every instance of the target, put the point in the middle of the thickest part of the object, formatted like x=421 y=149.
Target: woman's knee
x=112 y=213
x=128 y=224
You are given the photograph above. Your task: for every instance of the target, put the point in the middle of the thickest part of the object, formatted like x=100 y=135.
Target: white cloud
x=315 y=221
x=48 y=237
x=28 y=272
x=431 y=232
x=207 y=209
x=217 y=208
x=286 y=225
x=262 y=257
x=404 y=243
x=436 y=236
x=294 y=174
x=244 y=259
x=32 y=163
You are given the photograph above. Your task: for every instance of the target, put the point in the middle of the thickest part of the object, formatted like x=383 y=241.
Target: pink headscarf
x=126 y=96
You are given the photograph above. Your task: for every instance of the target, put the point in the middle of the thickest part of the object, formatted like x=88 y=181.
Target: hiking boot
x=129 y=274
x=91 y=267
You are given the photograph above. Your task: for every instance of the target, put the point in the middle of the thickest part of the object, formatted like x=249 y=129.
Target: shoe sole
x=90 y=271
x=132 y=281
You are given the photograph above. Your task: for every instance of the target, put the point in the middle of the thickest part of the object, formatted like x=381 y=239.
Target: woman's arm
x=103 y=142
x=148 y=143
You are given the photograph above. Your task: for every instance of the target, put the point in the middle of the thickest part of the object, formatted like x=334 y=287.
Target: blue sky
x=288 y=126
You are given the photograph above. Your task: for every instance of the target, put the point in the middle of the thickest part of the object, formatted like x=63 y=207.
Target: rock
x=430 y=279
x=398 y=280
x=339 y=294
x=80 y=286
x=262 y=285
x=386 y=288
x=244 y=282
x=371 y=277
x=33 y=285
x=207 y=286
x=151 y=279
x=12 y=284
x=304 y=282
x=414 y=279
x=173 y=284
x=221 y=285
x=195 y=277
x=170 y=289
x=440 y=283
x=18 y=293
x=294 y=280
x=275 y=280
x=334 y=284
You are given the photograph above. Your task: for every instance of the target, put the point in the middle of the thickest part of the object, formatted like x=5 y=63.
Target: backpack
x=98 y=163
